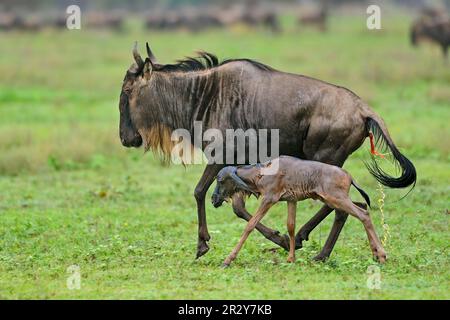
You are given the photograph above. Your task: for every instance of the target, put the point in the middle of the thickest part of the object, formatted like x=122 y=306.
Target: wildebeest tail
x=384 y=142
x=362 y=192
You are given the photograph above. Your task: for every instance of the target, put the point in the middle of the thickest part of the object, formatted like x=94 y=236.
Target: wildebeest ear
x=150 y=54
x=148 y=67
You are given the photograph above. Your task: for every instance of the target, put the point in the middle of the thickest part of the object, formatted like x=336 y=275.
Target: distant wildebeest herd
x=432 y=25
x=316 y=120
x=10 y=21
x=192 y=19
x=214 y=17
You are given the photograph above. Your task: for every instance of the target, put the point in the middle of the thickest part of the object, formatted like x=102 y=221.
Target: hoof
x=281 y=240
x=381 y=258
x=225 y=265
x=320 y=258
x=291 y=260
x=298 y=244
x=298 y=240
x=379 y=255
x=202 y=248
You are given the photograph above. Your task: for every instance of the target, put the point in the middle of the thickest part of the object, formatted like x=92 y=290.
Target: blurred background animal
x=432 y=25
x=316 y=18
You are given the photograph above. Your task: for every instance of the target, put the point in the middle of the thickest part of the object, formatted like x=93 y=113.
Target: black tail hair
x=362 y=192
x=384 y=142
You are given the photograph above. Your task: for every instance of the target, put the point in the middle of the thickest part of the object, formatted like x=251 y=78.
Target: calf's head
x=228 y=183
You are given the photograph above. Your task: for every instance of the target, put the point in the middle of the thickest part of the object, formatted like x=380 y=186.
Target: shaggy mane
x=206 y=61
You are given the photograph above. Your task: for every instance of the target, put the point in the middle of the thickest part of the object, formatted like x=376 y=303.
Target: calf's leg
x=339 y=221
x=291 y=229
x=260 y=213
x=270 y=234
x=334 y=154
x=346 y=205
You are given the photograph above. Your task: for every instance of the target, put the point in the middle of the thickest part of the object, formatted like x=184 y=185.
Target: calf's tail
x=362 y=192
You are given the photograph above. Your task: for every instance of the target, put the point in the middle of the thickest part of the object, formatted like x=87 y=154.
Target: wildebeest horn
x=150 y=54
x=137 y=57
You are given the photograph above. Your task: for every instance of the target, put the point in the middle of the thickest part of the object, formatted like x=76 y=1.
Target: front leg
x=200 y=193
x=292 y=207
x=260 y=213
x=270 y=234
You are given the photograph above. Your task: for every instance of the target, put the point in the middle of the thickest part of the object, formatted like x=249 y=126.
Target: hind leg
x=339 y=221
x=334 y=153
x=346 y=205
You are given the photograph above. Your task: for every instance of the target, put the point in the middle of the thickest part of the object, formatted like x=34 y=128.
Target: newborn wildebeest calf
x=292 y=180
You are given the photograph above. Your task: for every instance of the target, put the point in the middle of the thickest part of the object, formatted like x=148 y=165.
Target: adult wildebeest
x=316 y=121
x=434 y=29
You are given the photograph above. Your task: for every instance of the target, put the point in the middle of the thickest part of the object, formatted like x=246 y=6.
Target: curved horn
x=137 y=56
x=150 y=54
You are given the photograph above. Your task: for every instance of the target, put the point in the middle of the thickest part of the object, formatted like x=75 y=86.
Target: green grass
x=71 y=195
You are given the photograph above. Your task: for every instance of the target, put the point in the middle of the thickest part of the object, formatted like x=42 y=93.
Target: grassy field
x=71 y=195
